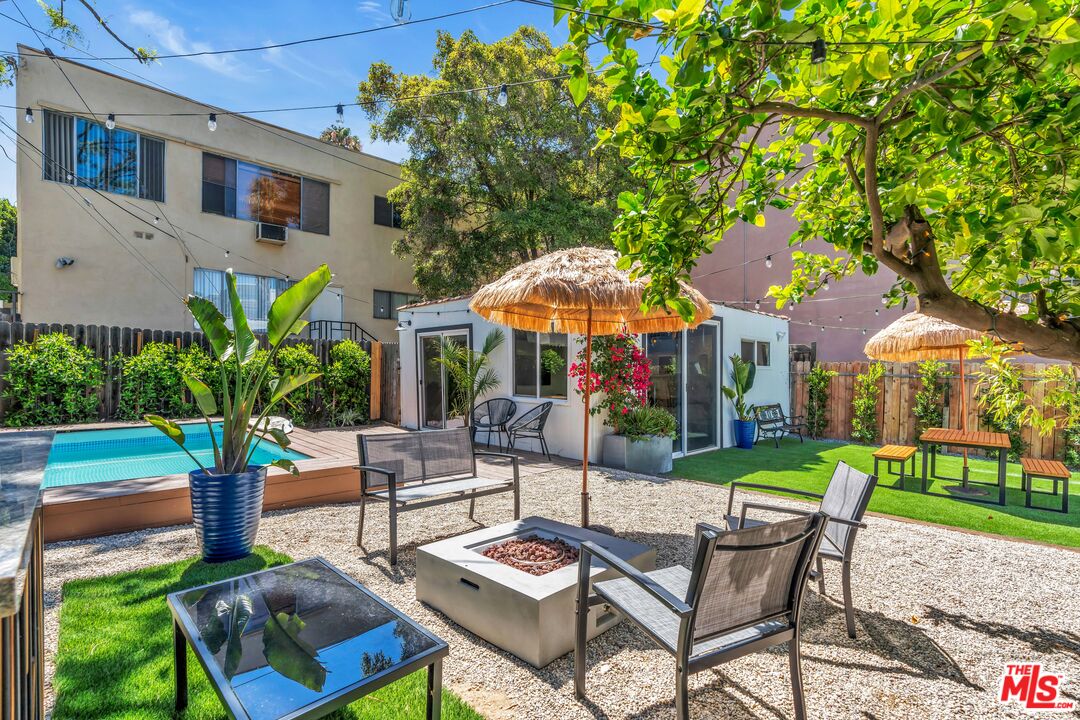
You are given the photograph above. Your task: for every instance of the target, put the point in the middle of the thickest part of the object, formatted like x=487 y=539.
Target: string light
x=757 y=305
x=876 y=312
x=156 y=219
x=110 y=122
x=503 y=97
x=29 y=116
x=817 y=52
x=211 y=124
x=226 y=253
x=768 y=261
x=400 y=10
x=864 y=331
x=841 y=318
x=340 y=113
x=884 y=299
x=825 y=285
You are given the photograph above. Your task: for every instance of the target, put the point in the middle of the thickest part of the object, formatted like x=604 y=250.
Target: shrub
x=648 y=420
x=930 y=400
x=195 y=362
x=150 y=383
x=51 y=381
x=303 y=403
x=346 y=380
x=864 y=418
x=817 y=402
x=1001 y=397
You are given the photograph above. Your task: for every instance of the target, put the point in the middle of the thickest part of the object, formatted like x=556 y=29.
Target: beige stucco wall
x=107 y=285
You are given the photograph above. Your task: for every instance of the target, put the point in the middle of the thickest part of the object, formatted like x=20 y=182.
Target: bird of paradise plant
x=242 y=380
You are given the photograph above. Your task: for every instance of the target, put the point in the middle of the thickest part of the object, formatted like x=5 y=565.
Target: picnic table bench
x=1047 y=470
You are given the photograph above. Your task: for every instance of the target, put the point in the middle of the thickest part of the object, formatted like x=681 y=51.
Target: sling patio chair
x=491 y=415
x=531 y=425
x=844 y=501
x=742 y=595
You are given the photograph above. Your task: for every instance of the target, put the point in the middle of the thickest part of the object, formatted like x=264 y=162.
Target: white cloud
x=171 y=39
x=375 y=9
x=295 y=64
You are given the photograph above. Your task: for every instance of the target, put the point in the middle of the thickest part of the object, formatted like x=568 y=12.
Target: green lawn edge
x=114 y=658
x=809 y=465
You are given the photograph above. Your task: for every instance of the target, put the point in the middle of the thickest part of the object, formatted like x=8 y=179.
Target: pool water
x=90 y=456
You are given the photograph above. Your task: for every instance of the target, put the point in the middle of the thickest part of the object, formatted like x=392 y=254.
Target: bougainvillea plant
x=620 y=377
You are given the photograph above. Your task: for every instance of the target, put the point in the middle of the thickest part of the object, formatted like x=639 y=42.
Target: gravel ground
x=939 y=612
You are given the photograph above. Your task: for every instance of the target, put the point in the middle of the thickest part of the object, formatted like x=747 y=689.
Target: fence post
x=375 y=382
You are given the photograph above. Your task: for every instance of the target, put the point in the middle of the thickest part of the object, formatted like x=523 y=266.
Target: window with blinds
x=257 y=293
x=81 y=152
x=386 y=214
x=246 y=191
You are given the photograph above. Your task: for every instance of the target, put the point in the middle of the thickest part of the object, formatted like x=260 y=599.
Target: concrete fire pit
x=529 y=616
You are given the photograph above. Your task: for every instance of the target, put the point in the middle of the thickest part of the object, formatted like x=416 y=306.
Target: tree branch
x=142 y=57
x=783 y=108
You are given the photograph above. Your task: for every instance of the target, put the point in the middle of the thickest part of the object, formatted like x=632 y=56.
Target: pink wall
x=734 y=274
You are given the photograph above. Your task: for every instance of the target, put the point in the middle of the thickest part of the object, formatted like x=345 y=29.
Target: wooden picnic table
x=977 y=439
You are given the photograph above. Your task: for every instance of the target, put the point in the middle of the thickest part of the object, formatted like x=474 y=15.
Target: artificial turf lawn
x=115 y=651
x=809 y=465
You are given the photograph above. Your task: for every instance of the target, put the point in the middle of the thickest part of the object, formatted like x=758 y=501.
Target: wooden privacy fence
x=109 y=343
x=896 y=402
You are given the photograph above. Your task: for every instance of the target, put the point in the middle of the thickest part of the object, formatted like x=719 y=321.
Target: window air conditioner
x=270 y=233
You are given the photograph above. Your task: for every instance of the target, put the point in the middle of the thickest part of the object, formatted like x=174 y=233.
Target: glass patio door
x=702 y=403
x=437 y=387
x=665 y=353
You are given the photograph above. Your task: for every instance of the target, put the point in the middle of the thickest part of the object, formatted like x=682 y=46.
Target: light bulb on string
x=822 y=328
x=503 y=96
x=400 y=10
x=757 y=304
x=864 y=331
x=211 y=124
x=110 y=122
x=156 y=219
x=884 y=299
x=825 y=285
x=226 y=253
x=817 y=61
x=768 y=261
x=29 y=116
x=876 y=312
x=841 y=318
x=340 y=113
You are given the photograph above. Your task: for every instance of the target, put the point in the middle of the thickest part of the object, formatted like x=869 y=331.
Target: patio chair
x=844 y=501
x=772 y=422
x=493 y=415
x=742 y=595
x=531 y=425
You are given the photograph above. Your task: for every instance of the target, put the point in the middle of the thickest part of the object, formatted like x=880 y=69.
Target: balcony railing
x=338 y=330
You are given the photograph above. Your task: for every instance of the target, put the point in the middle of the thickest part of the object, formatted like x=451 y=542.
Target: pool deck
x=94 y=509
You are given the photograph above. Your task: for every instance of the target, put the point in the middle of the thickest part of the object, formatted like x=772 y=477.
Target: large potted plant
x=642 y=442
x=742 y=380
x=227 y=496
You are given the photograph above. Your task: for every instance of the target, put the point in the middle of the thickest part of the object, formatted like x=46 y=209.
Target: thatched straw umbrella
x=914 y=337
x=580 y=291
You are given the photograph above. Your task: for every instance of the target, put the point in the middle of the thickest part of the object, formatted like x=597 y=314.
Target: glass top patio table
x=298 y=641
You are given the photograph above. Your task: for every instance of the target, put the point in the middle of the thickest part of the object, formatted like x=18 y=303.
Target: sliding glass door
x=664 y=351
x=437 y=389
x=685 y=375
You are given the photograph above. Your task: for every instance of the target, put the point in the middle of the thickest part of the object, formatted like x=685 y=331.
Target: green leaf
x=291 y=305
x=1022 y=12
x=286 y=464
x=1063 y=53
x=759 y=220
x=171 y=429
x=289 y=654
x=279 y=437
x=235 y=617
x=890 y=9
x=877 y=63
x=212 y=323
x=243 y=339
x=204 y=397
x=579 y=85
x=287 y=383
x=689 y=9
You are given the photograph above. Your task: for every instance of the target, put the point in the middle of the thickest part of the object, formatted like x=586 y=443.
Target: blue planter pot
x=226 y=511
x=744 y=434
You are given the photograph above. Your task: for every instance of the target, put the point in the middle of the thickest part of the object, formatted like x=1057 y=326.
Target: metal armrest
x=391 y=479
x=771 y=508
x=589 y=548
x=504 y=456
x=776 y=488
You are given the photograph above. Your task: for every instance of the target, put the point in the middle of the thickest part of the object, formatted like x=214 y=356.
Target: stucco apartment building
x=128 y=199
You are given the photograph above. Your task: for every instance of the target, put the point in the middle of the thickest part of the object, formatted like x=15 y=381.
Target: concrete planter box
x=531 y=617
x=649 y=456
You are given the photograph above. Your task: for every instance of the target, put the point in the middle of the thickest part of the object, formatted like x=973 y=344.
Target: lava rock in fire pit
x=533 y=554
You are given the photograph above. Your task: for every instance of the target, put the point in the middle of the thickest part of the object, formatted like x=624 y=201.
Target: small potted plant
x=742 y=380
x=642 y=442
x=227 y=495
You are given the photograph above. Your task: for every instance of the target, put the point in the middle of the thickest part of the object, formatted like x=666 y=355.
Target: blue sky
x=313 y=74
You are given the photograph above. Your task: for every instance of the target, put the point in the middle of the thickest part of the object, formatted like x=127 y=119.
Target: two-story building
x=131 y=197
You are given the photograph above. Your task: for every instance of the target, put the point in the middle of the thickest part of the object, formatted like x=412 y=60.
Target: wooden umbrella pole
x=963 y=412
x=588 y=414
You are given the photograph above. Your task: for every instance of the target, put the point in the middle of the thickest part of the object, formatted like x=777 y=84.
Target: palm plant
x=470 y=371
x=742 y=381
x=244 y=373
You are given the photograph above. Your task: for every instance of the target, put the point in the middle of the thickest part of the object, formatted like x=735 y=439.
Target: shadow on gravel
x=1042 y=640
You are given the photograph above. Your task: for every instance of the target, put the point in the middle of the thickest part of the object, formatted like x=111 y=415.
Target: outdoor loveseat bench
x=414 y=470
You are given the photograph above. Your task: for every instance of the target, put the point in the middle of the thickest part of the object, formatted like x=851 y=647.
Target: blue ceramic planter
x=226 y=511
x=744 y=434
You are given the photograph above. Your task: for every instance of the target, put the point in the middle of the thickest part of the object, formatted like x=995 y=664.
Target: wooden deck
x=90 y=510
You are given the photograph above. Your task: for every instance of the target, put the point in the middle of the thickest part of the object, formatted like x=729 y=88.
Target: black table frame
x=929 y=447
x=186 y=633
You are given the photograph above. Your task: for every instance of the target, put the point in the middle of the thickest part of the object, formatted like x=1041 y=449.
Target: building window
x=85 y=153
x=245 y=191
x=257 y=293
x=755 y=351
x=386 y=213
x=540 y=367
x=387 y=302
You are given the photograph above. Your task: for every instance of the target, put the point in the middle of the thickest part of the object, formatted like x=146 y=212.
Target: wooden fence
x=896 y=402
x=390 y=381
x=109 y=343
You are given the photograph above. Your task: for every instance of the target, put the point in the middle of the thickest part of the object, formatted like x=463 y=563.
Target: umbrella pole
x=588 y=414
x=963 y=413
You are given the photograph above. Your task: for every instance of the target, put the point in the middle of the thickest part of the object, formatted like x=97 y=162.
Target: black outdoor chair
x=844 y=501
x=493 y=415
x=773 y=423
x=742 y=595
x=531 y=425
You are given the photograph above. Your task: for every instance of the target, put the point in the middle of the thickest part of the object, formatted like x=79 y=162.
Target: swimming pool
x=90 y=456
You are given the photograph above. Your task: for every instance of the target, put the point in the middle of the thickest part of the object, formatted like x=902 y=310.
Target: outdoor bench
x=414 y=470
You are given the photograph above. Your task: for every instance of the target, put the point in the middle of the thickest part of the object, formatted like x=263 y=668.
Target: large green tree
x=935 y=140
x=9 y=220
x=487 y=185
